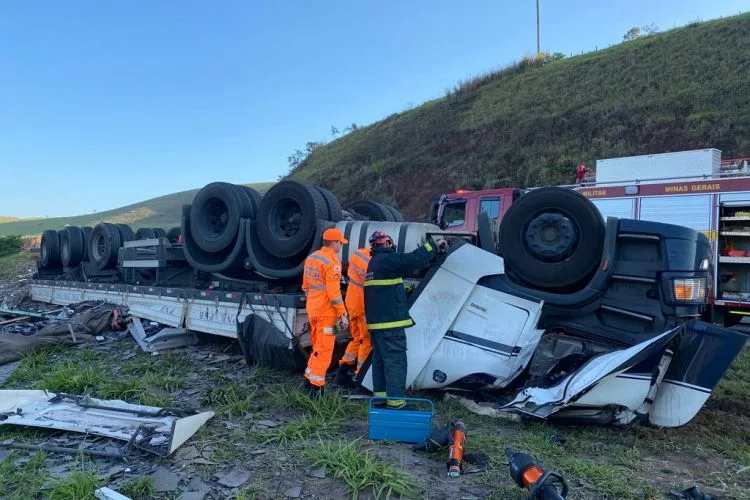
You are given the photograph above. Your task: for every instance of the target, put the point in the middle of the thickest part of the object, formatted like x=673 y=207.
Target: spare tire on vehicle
x=126 y=232
x=552 y=238
x=216 y=212
x=159 y=233
x=173 y=235
x=145 y=233
x=372 y=210
x=87 y=230
x=287 y=218
x=335 y=213
x=106 y=241
x=49 y=250
x=72 y=247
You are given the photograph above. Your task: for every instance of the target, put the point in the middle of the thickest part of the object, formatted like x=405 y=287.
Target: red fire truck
x=715 y=201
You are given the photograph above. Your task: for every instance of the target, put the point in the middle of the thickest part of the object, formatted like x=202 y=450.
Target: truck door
x=491 y=205
x=453 y=216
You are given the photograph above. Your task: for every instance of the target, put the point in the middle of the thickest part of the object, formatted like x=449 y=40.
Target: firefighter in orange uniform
x=321 y=283
x=359 y=347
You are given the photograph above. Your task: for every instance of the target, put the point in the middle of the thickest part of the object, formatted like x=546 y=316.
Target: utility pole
x=538 y=49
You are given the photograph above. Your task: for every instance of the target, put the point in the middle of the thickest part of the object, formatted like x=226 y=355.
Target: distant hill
x=531 y=123
x=164 y=212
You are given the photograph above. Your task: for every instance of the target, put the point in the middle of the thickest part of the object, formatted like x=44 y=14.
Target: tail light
x=689 y=290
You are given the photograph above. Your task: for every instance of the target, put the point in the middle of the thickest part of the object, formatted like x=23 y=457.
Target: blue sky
x=103 y=104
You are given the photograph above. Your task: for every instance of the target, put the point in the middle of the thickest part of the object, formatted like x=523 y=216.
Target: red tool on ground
x=542 y=485
x=456 y=451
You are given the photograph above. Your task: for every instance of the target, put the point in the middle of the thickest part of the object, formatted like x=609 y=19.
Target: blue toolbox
x=405 y=425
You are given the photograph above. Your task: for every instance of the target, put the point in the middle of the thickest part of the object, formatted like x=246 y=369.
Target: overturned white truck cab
x=617 y=338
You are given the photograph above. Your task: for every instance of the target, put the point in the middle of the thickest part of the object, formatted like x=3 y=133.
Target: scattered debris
x=487 y=409
x=692 y=493
x=234 y=478
x=165 y=480
x=318 y=473
x=109 y=494
x=6 y=371
x=164 y=340
x=293 y=492
x=153 y=429
x=60 y=449
x=192 y=495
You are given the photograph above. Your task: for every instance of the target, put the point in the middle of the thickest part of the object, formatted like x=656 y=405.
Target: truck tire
x=126 y=232
x=552 y=238
x=254 y=198
x=397 y=216
x=215 y=215
x=335 y=214
x=106 y=241
x=49 y=249
x=87 y=230
x=372 y=210
x=159 y=233
x=288 y=218
x=145 y=233
x=174 y=234
x=71 y=246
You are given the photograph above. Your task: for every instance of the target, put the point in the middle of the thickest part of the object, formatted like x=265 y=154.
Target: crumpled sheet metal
x=125 y=421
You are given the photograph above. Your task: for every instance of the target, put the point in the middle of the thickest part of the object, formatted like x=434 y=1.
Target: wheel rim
x=99 y=247
x=286 y=219
x=551 y=237
x=215 y=217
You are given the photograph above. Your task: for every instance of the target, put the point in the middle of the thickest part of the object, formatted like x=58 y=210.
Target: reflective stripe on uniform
x=322 y=259
x=349 y=356
x=337 y=301
x=428 y=247
x=390 y=324
x=362 y=256
x=317 y=287
x=316 y=378
x=394 y=281
x=359 y=285
x=328 y=329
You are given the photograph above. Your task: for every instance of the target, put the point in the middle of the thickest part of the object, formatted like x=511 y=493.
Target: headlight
x=689 y=290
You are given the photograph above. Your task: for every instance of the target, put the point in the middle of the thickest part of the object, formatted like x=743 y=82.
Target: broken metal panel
x=543 y=402
x=162 y=309
x=166 y=339
x=109 y=494
x=158 y=430
x=220 y=318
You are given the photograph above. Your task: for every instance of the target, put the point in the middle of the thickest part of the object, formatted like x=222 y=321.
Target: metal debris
x=164 y=340
x=234 y=478
x=109 y=494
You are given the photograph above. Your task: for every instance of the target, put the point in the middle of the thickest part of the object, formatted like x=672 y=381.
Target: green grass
x=13 y=265
x=677 y=90
x=361 y=469
x=163 y=211
x=231 y=400
x=141 y=488
x=81 y=485
x=20 y=482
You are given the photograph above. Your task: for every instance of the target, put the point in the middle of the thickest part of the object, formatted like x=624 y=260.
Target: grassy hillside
x=164 y=212
x=530 y=124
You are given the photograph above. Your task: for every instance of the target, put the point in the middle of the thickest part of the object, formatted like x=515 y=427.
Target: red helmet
x=379 y=238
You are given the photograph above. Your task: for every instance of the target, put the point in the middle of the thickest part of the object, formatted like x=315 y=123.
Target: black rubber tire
x=126 y=232
x=106 y=240
x=87 y=230
x=215 y=215
x=372 y=210
x=397 y=216
x=334 y=207
x=575 y=232
x=71 y=246
x=288 y=216
x=174 y=234
x=159 y=233
x=254 y=198
x=49 y=250
x=145 y=233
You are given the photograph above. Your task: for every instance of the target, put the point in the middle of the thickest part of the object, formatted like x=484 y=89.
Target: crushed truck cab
x=625 y=346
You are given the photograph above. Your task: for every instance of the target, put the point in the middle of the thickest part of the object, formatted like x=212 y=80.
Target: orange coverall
x=359 y=347
x=321 y=283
